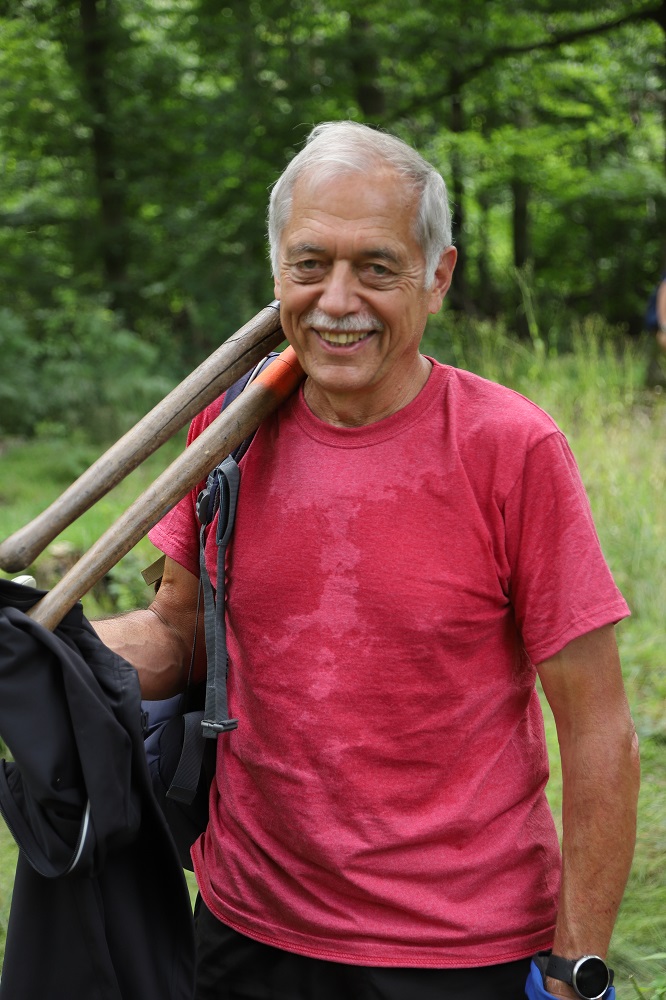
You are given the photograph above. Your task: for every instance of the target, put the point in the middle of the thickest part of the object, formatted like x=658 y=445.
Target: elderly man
x=413 y=545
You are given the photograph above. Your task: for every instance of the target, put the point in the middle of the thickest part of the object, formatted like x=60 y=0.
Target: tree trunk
x=364 y=65
x=96 y=19
x=458 y=295
x=487 y=301
x=521 y=236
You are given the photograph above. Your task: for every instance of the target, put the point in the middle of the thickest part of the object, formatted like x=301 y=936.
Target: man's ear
x=276 y=286
x=442 y=281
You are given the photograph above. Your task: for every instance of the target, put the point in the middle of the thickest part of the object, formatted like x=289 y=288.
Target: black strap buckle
x=211 y=729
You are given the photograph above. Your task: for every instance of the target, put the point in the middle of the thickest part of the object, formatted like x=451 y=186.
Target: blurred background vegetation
x=139 y=140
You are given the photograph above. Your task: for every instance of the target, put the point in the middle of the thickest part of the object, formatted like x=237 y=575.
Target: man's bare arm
x=601 y=774
x=158 y=640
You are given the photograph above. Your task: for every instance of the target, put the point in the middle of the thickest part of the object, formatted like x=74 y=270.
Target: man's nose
x=339 y=296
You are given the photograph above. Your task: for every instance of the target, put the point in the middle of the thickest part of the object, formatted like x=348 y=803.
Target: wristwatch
x=589 y=975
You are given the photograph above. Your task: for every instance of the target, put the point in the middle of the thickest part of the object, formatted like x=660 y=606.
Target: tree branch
x=465 y=74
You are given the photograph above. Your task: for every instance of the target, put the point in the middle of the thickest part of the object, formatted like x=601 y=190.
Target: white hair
x=335 y=148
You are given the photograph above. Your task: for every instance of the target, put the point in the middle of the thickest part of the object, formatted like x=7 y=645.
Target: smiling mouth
x=333 y=337
x=342 y=331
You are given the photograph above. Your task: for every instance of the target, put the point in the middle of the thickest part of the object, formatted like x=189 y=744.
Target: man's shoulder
x=493 y=410
x=204 y=418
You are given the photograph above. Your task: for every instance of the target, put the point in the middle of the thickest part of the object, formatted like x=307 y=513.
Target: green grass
x=617 y=430
x=34 y=474
x=8 y=854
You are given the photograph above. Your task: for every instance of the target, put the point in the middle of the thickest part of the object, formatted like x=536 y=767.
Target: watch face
x=590 y=977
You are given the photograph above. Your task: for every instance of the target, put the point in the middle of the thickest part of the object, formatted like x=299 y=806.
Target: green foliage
x=33 y=475
x=137 y=154
x=586 y=377
x=15 y=392
x=656 y=990
x=8 y=856
x=85 y=374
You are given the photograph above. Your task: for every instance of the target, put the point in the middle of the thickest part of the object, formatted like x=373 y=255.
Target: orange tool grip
x=283 y=374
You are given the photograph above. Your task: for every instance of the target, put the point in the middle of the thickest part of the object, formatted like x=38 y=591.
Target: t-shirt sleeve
x=561 y=585
x=177 y=533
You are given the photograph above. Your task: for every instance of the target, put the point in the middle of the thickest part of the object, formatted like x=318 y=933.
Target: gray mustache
x=353 y=323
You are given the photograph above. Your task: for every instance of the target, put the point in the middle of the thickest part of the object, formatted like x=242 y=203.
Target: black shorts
x=231 y=966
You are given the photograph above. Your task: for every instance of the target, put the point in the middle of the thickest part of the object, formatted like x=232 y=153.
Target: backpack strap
x=235 y=390
x=152 y=574
x=219 y=497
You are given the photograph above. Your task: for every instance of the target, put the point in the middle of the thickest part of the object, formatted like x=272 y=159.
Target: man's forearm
x=161 y=641
x=600 y=786
x=142 y=639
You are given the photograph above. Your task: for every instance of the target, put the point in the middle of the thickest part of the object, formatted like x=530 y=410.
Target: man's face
x=350 y=284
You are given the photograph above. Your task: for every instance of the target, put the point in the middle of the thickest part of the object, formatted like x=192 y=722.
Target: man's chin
x=345 y=372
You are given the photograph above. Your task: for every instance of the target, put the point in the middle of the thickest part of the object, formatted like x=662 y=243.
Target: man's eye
x=308 y=269
x=375 y=272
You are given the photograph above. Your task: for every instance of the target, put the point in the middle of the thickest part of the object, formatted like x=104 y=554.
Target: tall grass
x=595 y=391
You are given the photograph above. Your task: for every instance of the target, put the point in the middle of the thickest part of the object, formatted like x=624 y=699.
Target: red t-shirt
x=390 y=588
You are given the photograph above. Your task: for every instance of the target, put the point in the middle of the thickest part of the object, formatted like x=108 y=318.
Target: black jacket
x=100 y=908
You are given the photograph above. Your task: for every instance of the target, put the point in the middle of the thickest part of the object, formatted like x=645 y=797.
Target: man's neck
x=354 y=409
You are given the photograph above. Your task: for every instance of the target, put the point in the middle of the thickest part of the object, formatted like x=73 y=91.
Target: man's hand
x=560 y=989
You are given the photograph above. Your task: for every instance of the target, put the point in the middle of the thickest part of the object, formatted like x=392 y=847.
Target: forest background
x=138 y=143
x=139 y=139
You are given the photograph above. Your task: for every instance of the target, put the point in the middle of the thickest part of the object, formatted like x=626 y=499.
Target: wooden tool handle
x=225 y=433
x=237 y=355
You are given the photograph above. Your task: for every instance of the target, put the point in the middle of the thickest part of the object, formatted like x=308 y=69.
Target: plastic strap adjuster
x=211 y=729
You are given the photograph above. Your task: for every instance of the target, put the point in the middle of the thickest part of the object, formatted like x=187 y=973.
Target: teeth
x=341 y=338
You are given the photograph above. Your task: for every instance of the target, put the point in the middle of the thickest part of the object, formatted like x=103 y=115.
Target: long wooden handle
x=226 y=432
x=233 y=358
